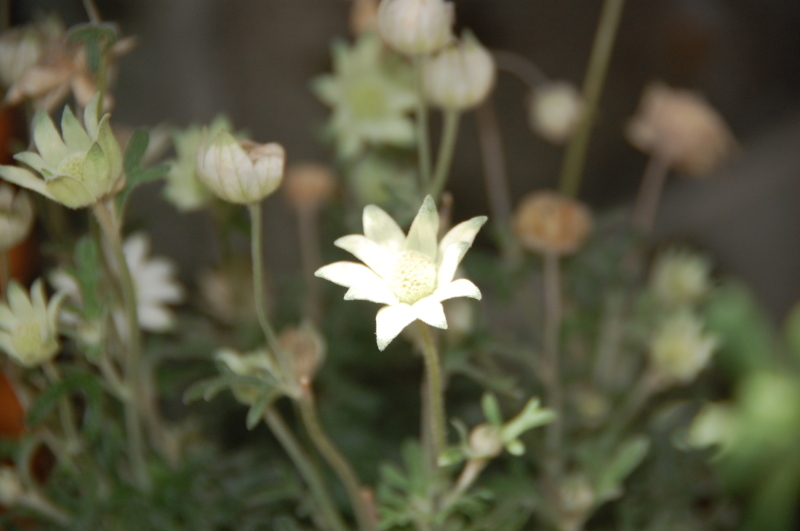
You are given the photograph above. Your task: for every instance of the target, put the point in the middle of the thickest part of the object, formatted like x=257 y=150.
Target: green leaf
x=256 y=412
x=83 y=383
x=132 y=164
x=98 y=39
x=792 y=331
x=491 y=409
x=451 y=456
x=205 y=389
x=628 y=456
x=393 y=476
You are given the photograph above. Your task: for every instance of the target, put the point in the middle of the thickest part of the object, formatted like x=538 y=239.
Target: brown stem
x=646 y=207
x=307 y=228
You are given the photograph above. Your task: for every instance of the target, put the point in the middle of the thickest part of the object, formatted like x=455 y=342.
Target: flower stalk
x=647 y=200
x=552 y=373
x=435 y=392
x=423 y=142
x=575 y=156
x=447 y=146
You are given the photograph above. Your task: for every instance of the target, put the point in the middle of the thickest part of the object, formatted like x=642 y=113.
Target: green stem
x=433 y=376
x=447 y=147
x=65 y=411
x=336 y=460
x=552 y=373
x=423 y=142
x=575 y=156
x=92 y=11
x=307 y=469
x=258 y=287
x=38 y=503
x=133 y=372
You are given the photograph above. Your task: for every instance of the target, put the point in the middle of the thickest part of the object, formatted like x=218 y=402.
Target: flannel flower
x=411 y=274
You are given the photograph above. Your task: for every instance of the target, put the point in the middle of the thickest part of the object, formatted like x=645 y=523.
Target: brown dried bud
x=308 y=185
x=364 y=17
x=548 y=222
x=307 y=348
x=681 y=127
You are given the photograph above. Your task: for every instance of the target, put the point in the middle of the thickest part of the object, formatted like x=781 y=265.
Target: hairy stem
x=435 y=402
x=307 y=469
x=91 y=11
x=575 y=156
x=133 y=369
x=447 y=147
x=307 y=228
x=521 y=67
x=65 y=411
x=423 y=142
x=645 y=208
x=336 y=460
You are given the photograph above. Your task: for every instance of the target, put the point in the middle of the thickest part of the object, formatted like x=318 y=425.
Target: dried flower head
x=371 y=96
x=29 y=325
x=239 y=171
x=16 y=216
x=364 y=17
x=307 y=348
x=21 y=48
x=411 y=274
x=79 y=166
x=415 y=27
x=309 y=185
x=680 y=349
x=681 y=127
x=680 y=278
x=548 y=222
x=554 y=111
x=461 y=75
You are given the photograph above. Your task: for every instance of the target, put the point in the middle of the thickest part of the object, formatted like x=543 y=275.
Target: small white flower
x=29 y=324
x=554 y=111
x=411 y=274
x=415 y=27
x=155 y=284
x=680 y=348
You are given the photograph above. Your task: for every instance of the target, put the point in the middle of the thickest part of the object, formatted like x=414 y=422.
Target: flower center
x=413 y=276
x=32 y=342
x=72 y=165
x=367 y=100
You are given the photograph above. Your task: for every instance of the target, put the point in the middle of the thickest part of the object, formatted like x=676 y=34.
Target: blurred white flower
x=411 y=274
x=155 y=284
x=680 y=348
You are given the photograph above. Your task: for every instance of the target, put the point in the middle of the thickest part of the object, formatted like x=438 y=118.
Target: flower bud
x=485 y=442
x=308 y=185
x=77 y=167
x=680 y=349
x=415 y=27
x=577 y=495
x=460 y=76
x=29 y=325
x=16 y=216
x=19 y=50
x=681 y=127
x=239 y=171
x=11 y=488
x=548 y=222
x=554 y=111
x=680 y=278
x=256 y=363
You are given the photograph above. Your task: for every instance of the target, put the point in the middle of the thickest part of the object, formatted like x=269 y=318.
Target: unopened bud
x=307 y=349
x=485 y=442
x=240 y=171
x=308 y=185
x=461 y=75
x=16 y=216
x=554 y=111
x=364 y=16
x=680 y=278
x=548 y=222
x=415 y=27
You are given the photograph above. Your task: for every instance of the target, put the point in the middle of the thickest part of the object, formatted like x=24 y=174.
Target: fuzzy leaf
x=205 y=389
x=84 y=383
x=628 y=456
x=132 y=164
x=491 y=409
x=256 y=412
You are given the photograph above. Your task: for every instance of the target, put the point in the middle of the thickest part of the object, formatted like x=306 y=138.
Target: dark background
x=254 y=59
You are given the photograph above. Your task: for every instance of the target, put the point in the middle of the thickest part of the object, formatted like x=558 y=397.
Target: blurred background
x=253 y=60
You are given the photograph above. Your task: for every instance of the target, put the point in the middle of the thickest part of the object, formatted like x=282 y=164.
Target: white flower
x=554 y=111
x=29 y=324
x=680 y=348
x=155 y=285
x=411 y=274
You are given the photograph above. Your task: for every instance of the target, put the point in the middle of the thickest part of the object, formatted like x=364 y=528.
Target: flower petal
x=382 y=229
x=430 y=311
x=48 y=142
x=424 y=231
x=19 y=302
x=347 y=274
x=457 y=288
x=463 y=232
x=371 y=288
x=25 y=179
x=369 y=252
x=449 y=262
x=390 y=321
x=75 y=136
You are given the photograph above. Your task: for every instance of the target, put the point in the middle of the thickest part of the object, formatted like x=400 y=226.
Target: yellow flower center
x=33 y=342
x=367 y=100
x=72 y=165
x=413 y=276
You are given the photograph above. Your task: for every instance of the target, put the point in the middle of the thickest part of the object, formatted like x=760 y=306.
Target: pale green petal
x=326 y=88
x=74 y=134
x=38 y=299
x=371 y=288
x=457 y=288
x=35 y=161
x=430 y=311
x=463 y=232
x=70 y=192
x=48 y=142
x=25 y=179
x=7 y=345
x=19 y=302
x=422 y=236
x=396 y=130
x=107 y=141
x=91 y=116
x=96 y=171
x=390 y=321
x=54 y=308
x=7 y=318
x=449 y=262
x=381 y=228
x=369 y=252
x=345 y=274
